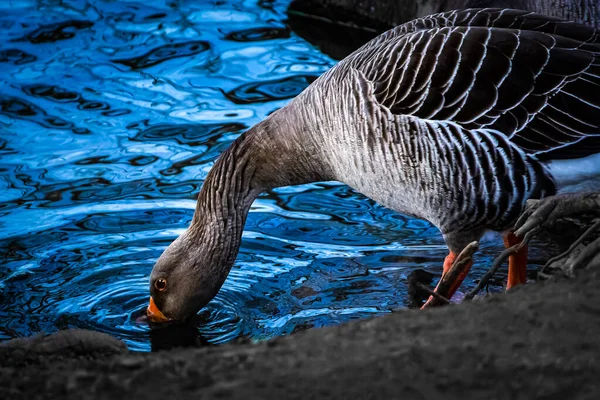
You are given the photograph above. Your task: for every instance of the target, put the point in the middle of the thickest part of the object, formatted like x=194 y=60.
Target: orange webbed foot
x=448 y=262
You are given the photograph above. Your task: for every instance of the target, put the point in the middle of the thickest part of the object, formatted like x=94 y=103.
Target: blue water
x=111 y=114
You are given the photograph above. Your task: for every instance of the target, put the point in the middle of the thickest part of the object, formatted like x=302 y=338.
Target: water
x=111 y=114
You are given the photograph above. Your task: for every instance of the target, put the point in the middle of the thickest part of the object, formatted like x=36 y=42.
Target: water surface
x=111 y=114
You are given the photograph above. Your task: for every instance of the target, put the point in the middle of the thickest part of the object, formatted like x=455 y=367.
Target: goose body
x=457 y=118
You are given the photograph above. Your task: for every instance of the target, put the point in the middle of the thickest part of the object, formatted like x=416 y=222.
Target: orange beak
x=154 y=313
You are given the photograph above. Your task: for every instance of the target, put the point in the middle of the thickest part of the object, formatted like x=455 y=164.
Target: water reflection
x=54 y=32
x=164 y=53
x=174 y=335
x=259 y=34
x=111 y=114
x=16 y=56
x=279 y=89
x=18 y=108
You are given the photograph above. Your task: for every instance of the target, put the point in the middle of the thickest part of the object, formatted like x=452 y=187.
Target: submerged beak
x=154 y=313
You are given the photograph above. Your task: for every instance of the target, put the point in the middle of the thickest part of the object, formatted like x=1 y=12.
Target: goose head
x=187 y=276
x=193 y=268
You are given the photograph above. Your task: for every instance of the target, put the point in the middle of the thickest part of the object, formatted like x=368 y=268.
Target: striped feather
x=534 y=78
x=468 y=109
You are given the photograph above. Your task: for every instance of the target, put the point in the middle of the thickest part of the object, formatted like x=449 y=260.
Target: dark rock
x=537 y=341
x=381 y=15
x=417 y=295
x=335 y=40
x=338 y=27
x=74 y=342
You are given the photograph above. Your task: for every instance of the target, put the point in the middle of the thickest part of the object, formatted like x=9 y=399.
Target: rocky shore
x=538 y=341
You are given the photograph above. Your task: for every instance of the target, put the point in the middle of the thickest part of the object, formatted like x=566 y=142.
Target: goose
x=457 y=118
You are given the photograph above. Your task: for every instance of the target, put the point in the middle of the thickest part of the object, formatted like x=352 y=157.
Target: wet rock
x=74 y=342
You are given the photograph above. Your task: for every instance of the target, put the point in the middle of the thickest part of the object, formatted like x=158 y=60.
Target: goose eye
x=160 y=284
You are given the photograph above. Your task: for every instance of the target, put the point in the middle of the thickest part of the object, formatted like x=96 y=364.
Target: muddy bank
x=540 y=341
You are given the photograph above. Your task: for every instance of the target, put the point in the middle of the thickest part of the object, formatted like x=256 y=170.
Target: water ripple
x=57 y=31
x=16 y=56
x=164 y=53
x=18 y=108
x=279 y=89
x=111 y=115
x=258 y=34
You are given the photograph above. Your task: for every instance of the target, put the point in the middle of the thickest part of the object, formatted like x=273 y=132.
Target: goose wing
x=534 y=78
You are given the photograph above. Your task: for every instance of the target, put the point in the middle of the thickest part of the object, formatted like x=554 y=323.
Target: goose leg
x=447 y=265
x=517 y=263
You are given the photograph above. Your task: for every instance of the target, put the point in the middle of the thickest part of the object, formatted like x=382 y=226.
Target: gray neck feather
x=268 y=155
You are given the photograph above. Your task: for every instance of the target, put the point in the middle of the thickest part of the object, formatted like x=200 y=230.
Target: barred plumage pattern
x=453 y=117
